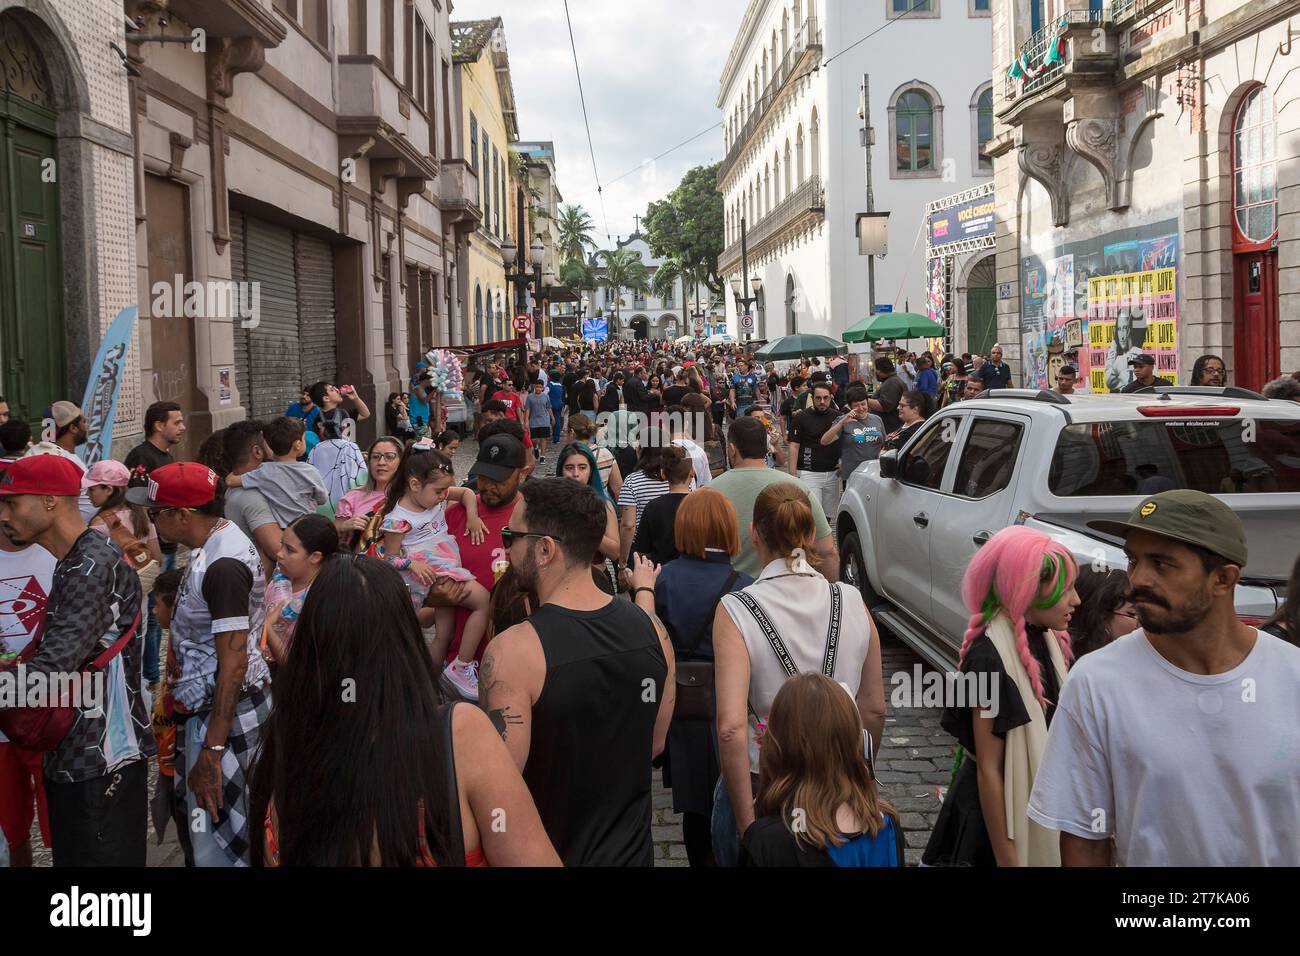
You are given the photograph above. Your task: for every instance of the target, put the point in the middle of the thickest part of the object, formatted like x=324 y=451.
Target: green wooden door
x=981 y=320
x=32 y=363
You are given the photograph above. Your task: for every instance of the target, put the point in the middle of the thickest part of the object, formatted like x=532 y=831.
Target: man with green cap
x=1180 y=739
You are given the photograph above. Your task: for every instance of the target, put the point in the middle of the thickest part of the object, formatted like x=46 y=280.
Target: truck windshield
x=1221 y=456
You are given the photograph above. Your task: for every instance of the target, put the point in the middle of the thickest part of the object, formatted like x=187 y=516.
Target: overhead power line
x=583 y=99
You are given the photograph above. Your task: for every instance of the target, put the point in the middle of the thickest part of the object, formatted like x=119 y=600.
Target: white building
x=794 y=171
x=643 y=315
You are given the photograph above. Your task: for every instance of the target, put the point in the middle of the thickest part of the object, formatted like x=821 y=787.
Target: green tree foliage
x=623 y=270
x=687 y=225
x=576 y=230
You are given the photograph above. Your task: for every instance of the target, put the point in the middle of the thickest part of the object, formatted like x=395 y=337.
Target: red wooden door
x=1257 y=346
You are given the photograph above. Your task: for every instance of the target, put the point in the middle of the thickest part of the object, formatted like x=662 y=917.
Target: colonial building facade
x=1148 y=187
x=793 y=177
x=640 y=315
x=67 y=242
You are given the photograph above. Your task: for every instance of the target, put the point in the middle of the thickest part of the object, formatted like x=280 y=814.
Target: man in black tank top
x=582 y=691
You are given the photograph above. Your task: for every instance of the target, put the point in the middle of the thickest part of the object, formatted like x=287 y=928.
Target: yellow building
x=487 y=110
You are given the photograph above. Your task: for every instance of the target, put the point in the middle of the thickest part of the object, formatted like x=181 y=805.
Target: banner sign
x=99 y=406
x=595 y=330
x=972 y=219
x=1098 y=304
x=564 y=326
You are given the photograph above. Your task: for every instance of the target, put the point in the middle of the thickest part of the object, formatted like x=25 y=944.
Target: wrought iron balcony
x=1124 y=10
x=805 y=47
x=1035 y=55
x=806 y=203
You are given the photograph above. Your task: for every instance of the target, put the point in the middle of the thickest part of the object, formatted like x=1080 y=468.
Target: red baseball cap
x=182 y=484
x=41 y=475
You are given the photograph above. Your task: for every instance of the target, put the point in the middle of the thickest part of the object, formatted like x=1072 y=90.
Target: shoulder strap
x=833 y=633
x=708 y=619
x=455 y=836
x=769 y=632
x=100 y=662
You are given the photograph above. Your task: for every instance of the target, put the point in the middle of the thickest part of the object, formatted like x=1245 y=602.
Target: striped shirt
x=638 y=491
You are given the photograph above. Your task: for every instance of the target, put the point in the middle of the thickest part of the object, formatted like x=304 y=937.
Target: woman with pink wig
x=1020 y=591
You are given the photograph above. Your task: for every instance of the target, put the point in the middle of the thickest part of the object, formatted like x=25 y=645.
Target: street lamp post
x=737 y=285
x=522 y=279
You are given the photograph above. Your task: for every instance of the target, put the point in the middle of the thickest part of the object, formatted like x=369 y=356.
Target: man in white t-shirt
x=1180 y=739
x=26 y=574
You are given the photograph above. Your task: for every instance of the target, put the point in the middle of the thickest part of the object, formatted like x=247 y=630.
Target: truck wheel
x=853 y=571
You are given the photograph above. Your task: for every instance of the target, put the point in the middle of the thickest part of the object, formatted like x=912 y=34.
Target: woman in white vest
x=1020 y=591
x=789 y=621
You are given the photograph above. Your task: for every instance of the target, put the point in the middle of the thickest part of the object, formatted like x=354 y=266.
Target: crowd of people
x=371 y=659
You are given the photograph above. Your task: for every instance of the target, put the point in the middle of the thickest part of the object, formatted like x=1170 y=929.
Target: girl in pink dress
x=417 y=543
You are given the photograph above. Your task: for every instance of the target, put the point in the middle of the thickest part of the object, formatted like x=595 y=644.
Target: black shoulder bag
x=696 y=699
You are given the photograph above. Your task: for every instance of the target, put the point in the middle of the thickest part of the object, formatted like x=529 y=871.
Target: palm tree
x=576 y=229
x=623 y=270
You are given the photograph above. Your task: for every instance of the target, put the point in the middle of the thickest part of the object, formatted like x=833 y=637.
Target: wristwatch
x=215 y=748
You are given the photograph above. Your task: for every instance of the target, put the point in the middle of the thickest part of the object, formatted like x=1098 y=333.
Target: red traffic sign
x=523 y=323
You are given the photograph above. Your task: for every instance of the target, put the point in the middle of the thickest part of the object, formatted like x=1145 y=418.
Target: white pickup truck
x=909 y=524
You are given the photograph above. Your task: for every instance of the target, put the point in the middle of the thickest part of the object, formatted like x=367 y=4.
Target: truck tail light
x=1188 y=411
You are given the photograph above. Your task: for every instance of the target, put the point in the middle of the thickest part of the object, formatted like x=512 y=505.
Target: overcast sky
x=650 y=71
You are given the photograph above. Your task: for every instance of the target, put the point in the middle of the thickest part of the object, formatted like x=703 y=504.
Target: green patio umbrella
x=893 y=325
x=799 y=345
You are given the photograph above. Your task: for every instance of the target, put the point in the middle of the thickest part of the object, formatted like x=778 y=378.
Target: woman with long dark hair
x=1286 y=622
x=306 y=544
x=1104 y=613
x=356 y=510
x=362 y=764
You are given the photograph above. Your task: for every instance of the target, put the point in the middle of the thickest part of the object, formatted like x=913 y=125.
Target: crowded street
x=765 y=434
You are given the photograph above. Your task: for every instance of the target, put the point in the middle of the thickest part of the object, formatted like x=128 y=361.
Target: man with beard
x=498 y=472
x=1179 y=739
x=583 y=690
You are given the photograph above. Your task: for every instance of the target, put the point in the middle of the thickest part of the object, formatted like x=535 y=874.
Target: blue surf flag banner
x=99 y=407
x=595 y=330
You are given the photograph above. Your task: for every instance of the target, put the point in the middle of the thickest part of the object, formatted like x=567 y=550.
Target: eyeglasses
x=385 y=456
x=509 y=537
x=154 y=513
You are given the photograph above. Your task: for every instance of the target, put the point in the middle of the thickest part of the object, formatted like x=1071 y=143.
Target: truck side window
x=989 y=458
x=928 y=458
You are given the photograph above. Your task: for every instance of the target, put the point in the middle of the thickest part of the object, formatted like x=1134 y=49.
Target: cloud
x=650 y=72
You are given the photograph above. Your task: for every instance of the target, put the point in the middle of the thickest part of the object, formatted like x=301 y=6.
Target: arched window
x=478 y=314
x=776 y=178
x=916 y=130
x=775 y=62
x=798 y=151
x=791 y=301
x=982 y=117
x=814 y=135
x=767 y=190
x=787 y=165
x=785 y=32
x=765 y=74
x=1254 y=167
x=798 y=15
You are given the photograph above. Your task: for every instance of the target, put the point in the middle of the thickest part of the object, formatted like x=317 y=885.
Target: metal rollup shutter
x=316 y=327
x=239 y=273
x=274 y=345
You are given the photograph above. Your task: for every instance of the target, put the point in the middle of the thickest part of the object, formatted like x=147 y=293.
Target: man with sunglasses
x=498 y=472
x=582 y=691
x=222 y=688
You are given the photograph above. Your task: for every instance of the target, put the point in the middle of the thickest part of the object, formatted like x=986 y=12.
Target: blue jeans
x=153 y=633
x=557 y=433
x=726 y=842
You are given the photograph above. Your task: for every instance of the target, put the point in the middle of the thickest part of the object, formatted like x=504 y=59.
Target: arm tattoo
x=503 y=718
